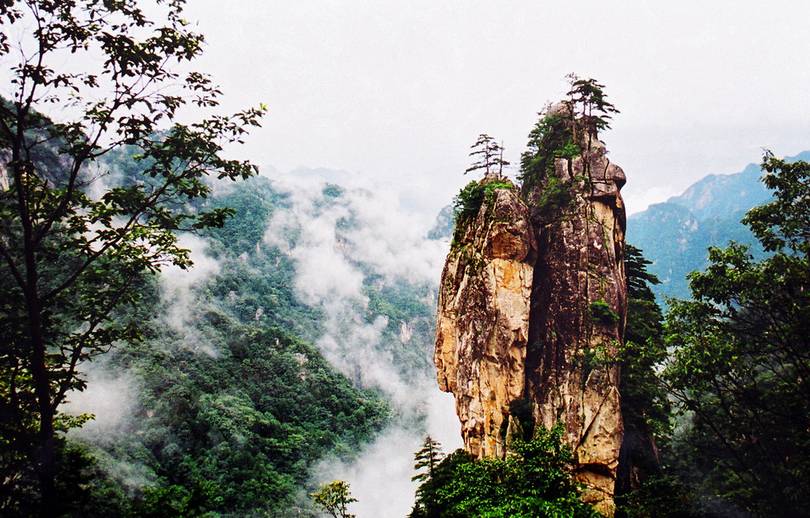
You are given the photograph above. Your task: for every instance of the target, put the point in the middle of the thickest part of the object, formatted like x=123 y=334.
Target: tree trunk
x=45 y=457
x=45 y=454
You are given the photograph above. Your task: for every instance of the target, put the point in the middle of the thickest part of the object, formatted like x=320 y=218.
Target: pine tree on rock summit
x=488 y=155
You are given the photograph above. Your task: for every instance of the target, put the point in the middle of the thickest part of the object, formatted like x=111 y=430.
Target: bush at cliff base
x=533 y=480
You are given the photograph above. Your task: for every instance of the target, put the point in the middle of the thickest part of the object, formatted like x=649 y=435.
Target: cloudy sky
x=396 y=91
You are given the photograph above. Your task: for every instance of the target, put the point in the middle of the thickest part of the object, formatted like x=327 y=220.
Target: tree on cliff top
x=71 y=246
x=488 y=155
x=589 y=105
x=560 y=133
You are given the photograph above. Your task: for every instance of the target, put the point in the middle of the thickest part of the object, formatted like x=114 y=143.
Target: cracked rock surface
x=532 y=307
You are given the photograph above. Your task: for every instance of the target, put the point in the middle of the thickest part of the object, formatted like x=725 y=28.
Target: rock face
x=577 y=320
x=483 y=320
x=532 y=310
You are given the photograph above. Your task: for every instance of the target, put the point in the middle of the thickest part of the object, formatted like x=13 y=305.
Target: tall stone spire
x=531 y=315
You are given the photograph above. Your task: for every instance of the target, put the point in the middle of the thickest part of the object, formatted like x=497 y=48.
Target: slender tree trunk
x=45 y=456
x=46 y=452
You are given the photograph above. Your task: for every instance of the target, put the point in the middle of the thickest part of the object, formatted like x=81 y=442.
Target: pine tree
x=489 y=156
x=645 y=406
x=427 y=458
x=589 y=105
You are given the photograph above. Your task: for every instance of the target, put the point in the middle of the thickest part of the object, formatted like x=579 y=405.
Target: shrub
x=550 y=138
x=468 y=201
x=556 y=196
x=601 y=311
x=533 y=480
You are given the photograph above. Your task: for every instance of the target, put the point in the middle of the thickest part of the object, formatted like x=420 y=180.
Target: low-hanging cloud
x=335 y=242
x=177 y=290
x=110 y=396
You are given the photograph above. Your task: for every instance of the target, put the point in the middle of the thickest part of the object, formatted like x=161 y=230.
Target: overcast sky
x=394 y=91
x=398 y=90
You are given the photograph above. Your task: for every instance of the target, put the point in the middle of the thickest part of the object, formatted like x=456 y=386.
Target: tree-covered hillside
x=226 y=401
x=229 y=403
x=230 y=408
x=676 y=234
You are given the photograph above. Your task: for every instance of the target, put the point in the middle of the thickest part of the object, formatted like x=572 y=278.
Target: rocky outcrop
x=532 y=310
x=483 y=319
x=577 y=317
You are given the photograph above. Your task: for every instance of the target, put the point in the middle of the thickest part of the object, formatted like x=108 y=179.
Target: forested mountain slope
x=675 y=234
x=229 y=402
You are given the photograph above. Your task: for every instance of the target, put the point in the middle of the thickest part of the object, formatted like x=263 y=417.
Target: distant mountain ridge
x=675 y=234
x=710 y=197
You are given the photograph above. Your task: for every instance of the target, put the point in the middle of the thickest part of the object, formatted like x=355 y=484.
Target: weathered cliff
x=532 y=310
x=483 y=320
x=577 y=317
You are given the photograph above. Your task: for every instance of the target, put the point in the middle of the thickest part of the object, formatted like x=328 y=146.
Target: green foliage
x=784 y=223
x=602 y=312
x=491 y=186
x=551 y=137
x=642 y=489
x=239 y=432
x=252 y=207
x=599 y=356
x=77 y=473
x=660 y=496
x=691 y=226
x=568 y=151
x=70 y=259
x=402 y=304
x=243 y=428
x=645 y=407
x=489 y=156
x=562 y=134
x=468 y=201
x=555 y=196
x=533 y=480
x=234 y=434
x=334 y=498
x=427 y=459
x=589 y=104
x=639 y=279
x=739 y=372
